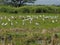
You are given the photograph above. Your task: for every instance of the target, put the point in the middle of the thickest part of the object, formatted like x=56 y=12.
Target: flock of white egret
x=6 y=20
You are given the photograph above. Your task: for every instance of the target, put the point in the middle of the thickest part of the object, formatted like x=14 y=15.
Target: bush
x=3 y=9
x=23 y=10
x=30 y=9
x=38 y=10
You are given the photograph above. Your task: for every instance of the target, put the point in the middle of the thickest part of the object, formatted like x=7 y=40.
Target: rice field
x=29 y=29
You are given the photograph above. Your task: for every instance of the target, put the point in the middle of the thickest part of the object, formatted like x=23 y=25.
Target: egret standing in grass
x=53 y=21
x=9 y=19
x=43 y=19
x=37 y=23
x=23 y=22
x=56 y=20
x=5 y=24
x=40 y=16
x=2 y=24
x=30 y=20
x=11 y=23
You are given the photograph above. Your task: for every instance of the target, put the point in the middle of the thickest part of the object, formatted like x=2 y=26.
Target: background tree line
x=16 y=3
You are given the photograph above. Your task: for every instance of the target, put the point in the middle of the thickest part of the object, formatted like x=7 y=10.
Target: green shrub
x=24 y=10
x=38 y=10
x=30 y=9
x=3 y=9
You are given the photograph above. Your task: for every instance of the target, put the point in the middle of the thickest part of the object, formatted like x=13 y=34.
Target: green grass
x=43 y=24
x=28 y=34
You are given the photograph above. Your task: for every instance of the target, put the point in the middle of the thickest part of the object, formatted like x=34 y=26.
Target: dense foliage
x=30 y=9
